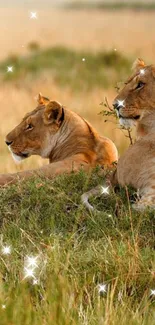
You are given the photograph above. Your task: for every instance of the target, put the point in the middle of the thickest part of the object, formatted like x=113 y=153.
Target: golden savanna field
x=129 y=33
x=61 y=263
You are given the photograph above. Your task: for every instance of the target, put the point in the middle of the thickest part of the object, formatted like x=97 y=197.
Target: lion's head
x=36 y=133
x=137 y=98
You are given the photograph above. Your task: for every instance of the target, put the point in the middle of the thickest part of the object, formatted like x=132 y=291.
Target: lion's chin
x=18 y=158
x=127 y=123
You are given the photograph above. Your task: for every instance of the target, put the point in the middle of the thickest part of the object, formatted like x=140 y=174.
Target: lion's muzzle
x=8 y=143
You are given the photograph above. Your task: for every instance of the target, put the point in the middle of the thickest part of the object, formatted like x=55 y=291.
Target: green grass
x=113 y=5
x=66 y=67
x=77 y=251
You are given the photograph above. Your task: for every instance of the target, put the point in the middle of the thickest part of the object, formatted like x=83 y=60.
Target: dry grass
x=80 y=250
x=18 y=101
x=76 y=251
x=129 y=32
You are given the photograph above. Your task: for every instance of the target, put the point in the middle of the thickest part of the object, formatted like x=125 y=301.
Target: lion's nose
x=8 y=143
x=119 y=103
x=116 y=105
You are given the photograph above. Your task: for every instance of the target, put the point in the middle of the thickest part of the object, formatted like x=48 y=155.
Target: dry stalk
x=111 y=112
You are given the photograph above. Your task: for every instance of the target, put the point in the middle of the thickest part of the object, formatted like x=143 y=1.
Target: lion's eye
x=140 y=85
x=29 y=126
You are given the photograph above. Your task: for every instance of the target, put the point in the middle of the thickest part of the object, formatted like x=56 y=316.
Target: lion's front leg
x=5 y=179
x=8 y=179
x=49 y=171
x=72 y=164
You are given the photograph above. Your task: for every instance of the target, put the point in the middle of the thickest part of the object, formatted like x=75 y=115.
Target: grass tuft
x=77 y=251
x=68 y=68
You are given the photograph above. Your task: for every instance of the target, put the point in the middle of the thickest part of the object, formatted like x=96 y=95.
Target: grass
x=67 y=67
x=112 y=5
x=60 y=73
x=77 y=251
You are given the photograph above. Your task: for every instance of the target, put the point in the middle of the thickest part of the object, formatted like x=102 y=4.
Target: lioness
x=60 y=135
x=135 y=105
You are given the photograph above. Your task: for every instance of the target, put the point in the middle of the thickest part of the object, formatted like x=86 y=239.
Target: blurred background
x=76 y=52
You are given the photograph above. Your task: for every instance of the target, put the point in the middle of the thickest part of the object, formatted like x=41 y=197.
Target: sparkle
x=33 y=15
x=6 y=250
x=152 y=292
x=83 y=59
x=115 y=49
x=102 y=288
x=29 y=273
x=35 y=281
x=105 y=190
x=10 y=69
x=32 y=261
x=3 y=306
x=142 y=71
x=120 y=103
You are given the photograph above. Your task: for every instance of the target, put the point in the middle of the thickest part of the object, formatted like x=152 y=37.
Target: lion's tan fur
x=137 y=165
x=62 y=136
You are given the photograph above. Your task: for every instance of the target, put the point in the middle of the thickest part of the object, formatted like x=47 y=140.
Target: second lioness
x=135 y=105
x=65 y=138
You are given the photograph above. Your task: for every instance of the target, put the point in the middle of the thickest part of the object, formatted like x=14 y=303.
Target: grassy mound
x=79 y=70
x=76 y=251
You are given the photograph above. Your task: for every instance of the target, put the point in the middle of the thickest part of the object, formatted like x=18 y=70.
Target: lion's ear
x=54 y=113
x=138 y=64
x=42 y=100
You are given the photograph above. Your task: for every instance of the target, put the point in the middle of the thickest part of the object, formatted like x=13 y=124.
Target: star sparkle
x=31 y=262
x=10 y=69
x=29 y=273
x=83 y=59
x=33 y=15
x=120 y=103
x=3 y=306
x=142 y=71
x=6 y=250
x=105 y=190
x=102 y=288
x=152 y=292
x=35 y=281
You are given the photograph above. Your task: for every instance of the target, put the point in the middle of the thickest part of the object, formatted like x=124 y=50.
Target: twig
x=111 y=112
x=107 y=105
x=129 y=136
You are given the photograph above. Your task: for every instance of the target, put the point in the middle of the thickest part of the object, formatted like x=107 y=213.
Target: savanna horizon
x=48 y=70
x=79 y=34
x=86 y=268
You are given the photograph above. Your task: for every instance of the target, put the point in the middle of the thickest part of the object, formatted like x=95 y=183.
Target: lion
x=135 y=106
x=65 y=138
